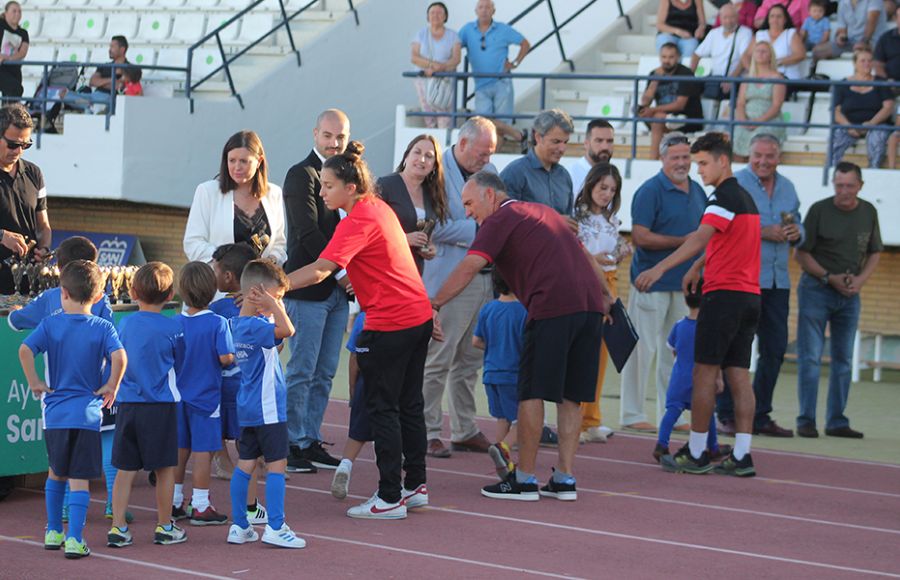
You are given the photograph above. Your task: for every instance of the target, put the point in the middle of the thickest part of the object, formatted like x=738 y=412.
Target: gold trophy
x=116 y=277
x=129 y=273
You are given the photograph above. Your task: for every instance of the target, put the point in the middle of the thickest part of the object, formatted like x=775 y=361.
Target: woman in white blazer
x=239 y=206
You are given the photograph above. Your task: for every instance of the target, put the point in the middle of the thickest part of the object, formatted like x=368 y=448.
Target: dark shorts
x=146 y=436
x=74 y=453
x=197 y=430
x=359 y=430
x=267 y=441
x=503 y=401
x=726 y=326
x=561 y=358
x=231 y=428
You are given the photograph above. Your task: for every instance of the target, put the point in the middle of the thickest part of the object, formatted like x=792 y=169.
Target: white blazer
x=211 y=223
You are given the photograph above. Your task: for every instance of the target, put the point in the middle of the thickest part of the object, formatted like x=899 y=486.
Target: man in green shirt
x=841 y=250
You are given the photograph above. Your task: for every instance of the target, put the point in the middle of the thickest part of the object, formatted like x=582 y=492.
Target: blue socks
x=712 y=440
x=667 y=424
x=274 y=499
x=240 y=481
x=109 y=472
x=78 y=508
x=54 y=494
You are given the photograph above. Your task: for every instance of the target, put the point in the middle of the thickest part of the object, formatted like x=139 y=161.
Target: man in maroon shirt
x=564 y=292
x=729 y=232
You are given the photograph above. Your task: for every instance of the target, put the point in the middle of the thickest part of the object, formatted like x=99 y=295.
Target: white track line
x=103 y=556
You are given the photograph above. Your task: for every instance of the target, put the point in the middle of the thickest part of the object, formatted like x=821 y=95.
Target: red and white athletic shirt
x=732 y=256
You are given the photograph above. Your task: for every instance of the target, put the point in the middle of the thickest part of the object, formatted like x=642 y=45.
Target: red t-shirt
x=370 y=244
x=540 y=258
x=732 y=255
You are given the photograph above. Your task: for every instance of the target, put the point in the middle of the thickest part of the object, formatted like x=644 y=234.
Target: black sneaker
x=509 y=488
x=564 y=491
x=731 y=466
x=297 y=464
x=181 y=512
x=320 y=458
x=684 y=462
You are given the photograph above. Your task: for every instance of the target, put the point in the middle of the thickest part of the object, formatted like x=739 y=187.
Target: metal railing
x=634 y=119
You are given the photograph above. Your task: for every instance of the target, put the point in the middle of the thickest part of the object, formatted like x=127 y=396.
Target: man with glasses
x=487 y=47
x=23 y=196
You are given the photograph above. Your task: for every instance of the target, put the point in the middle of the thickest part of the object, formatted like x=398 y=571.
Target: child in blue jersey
x=207 y=349
x=49 y=303
x=359 y=431
x=147 y=422
x=262 y=401
x=681 y=382
x=76 y=343
x=500 y=332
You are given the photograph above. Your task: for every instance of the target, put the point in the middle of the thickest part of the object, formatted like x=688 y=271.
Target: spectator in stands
x=101 y=80
x=680 y=22
x=887 y=52
x=599 y=142
x=665 y=209
x=671 y=97
x=779 y=213
x=779 y=31
x=760 y=102
x=861 y=105
x=13 y=46
x=416 y=194
x=538 y=176
x=240 y=206
x=724 y=45
x=487 y=46
x=23 y=212
x=860 y=23
x=435 y=48
x=798 y=10
x=746 y=12
x=839 y=254
x=453 y=364
x=816 y=28
x=131 y=80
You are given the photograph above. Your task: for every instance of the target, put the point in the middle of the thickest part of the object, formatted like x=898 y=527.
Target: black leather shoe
x=845 y=432
x=808 y=431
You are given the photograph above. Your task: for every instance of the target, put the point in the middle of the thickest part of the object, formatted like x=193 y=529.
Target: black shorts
x=726 y=326
x=74 y=453
x=267 y=441
x=561 y=358
x=146 y=436
x=359 y=430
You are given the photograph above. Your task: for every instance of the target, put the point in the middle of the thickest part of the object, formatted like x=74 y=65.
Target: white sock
x=178 y=496
x=346 y=463
x=200 y=499
x=741 y=445
x=697 y=444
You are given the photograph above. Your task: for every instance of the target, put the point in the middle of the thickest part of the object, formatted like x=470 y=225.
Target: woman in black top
x=416 y=194
x=681 y=22
x=13 y=46
x=863 y=105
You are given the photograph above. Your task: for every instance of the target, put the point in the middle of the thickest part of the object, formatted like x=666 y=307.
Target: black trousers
x=392 y=366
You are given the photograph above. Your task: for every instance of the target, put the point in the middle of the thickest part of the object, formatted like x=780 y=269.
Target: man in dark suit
x=318 y=312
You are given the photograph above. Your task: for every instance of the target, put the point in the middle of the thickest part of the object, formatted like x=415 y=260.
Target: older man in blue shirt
x=779 y=214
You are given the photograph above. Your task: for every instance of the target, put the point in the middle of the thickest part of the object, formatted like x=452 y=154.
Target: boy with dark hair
x=730 y=233
x=262 y=401
x=76 y=343
x=147 y=429
x=208 y=348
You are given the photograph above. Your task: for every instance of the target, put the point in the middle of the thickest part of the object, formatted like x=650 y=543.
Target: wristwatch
x=824 y=278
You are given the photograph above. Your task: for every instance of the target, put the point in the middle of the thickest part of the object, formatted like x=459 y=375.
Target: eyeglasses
x=17 y=144
x=483 y=43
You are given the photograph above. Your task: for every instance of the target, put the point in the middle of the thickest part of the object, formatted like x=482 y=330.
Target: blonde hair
x=753 y=68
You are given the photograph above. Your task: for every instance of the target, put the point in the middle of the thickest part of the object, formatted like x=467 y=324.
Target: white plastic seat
x=169 y=57
x=837 y=69
x=793 y=112
x=56 y=26
x=216 y=19
x=38 y=53
x=40 y=3
x=254 y=25
x=89 y=25
x=105 y=3
x=72 y=53
x=155 y=27
x=136 y=3
x=188 y=27
x=606 y=106
x=235 y=4
x=31 y=22
x=122 y=23
x=205 y=61
x=204 y=3
x=143 y=55
x=73 y=3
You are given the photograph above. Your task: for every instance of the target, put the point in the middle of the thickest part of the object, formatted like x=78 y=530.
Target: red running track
x=803 y=517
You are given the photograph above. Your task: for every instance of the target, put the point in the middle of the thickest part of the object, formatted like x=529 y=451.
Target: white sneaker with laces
x=340 y=485
x=237 y=535
x=283 y=538
x=606 y=431
x=376 y=508
x=593 y=435
x=259 y=516
x=414 y=498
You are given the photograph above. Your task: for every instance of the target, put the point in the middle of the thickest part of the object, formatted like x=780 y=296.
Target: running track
x=803 y=517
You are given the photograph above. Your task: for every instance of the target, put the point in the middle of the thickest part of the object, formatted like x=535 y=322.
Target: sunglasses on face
x=10 y=144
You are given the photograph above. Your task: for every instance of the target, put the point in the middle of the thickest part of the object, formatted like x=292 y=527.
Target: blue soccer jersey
x=262 y=398
x=206 y=338
x=231 y=375
x=354 y=332
x=153 y=343
x=76 y=345
x=501 y=325
x=49 y=303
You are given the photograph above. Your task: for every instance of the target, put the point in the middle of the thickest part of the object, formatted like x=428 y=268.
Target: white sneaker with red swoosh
x=414 y=498
x=376 y=508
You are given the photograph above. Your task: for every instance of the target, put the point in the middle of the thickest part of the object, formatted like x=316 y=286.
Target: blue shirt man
x=153 y=342
x=262 y=398
x=528 y=180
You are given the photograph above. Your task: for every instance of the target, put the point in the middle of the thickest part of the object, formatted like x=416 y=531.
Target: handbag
x=438 y=90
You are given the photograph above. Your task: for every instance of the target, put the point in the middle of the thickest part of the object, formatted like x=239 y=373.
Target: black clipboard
x=620 y=337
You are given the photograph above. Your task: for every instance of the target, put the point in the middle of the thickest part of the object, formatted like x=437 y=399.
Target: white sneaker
x=236 y=535
x=606 y=431
x=592 y=435
x=414 y=498
x=283 y=538
x=376 y=508
x=259 y=516
x=340 y=484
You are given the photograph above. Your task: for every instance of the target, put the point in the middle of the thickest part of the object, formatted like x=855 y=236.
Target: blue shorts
x=503 y=401
x=74 y=453
x=146 y=436
x=359 y=430
x=267 y=441
x=198 y=430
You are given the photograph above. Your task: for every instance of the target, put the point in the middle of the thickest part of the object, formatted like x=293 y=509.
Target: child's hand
x=14 y=307
x=108 y=392
x=261 y=300
x=39 y=387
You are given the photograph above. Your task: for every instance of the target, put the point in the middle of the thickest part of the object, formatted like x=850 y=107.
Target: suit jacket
x=310 y=224
x=392 y=190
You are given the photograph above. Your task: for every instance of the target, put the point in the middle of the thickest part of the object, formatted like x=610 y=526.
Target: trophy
x=787 y=218
x=425 y=226
x=116 y=277
x=18 y=273
x=128 y=280
x=259 y=242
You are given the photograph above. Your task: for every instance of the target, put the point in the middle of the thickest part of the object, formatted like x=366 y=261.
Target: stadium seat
x=204 y=3
x=155 y=27
x=170 y=4
x=73 y=3
x=216 y=19
x=38 y=53
x=105 y=3
x=836 y=69
x=254 y=25
x=136 y=3
x=142 y=54
x=234 y=4
x=31 y=22
x=188 y=27
x=205 y=60
x=169 y=57
x=73 y=53
x=793 y=112
x=607 y=106
x=124 y=23
x=40 y=3
x=89 y=26
x=55 y=26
